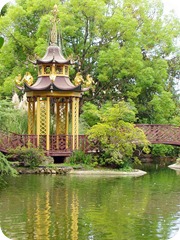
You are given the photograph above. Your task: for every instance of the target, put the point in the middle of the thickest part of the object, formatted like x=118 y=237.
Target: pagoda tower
x=53 y=101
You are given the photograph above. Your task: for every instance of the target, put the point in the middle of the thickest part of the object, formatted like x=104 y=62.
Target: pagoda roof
x=53 y=55
x=61 y=83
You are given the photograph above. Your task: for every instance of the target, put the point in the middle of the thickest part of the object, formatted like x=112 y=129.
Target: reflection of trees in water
x=162 y=210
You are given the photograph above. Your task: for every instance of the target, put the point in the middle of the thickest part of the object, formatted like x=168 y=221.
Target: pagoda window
x=59 y=70
x=66 y=70
x=40 y=70
x=47 y=69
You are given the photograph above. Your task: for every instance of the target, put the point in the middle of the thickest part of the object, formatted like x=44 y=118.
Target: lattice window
x=76 y=116
x=43 y=117
x=61 y=117
x=75 y=121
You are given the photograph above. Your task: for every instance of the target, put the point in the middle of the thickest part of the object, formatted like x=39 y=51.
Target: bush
x=162 y=150
x=29 y=157
x=79 y=157
x=5 y=167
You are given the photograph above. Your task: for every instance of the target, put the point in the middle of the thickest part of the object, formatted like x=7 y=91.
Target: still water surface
x=46 y=207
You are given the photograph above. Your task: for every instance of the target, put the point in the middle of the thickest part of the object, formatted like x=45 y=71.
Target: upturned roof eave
x=52 y=61
x=53 y=87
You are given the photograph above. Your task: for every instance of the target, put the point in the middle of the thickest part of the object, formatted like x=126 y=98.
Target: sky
x=172 y=5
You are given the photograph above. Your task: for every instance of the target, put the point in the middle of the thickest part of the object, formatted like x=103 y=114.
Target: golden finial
x=54 y=28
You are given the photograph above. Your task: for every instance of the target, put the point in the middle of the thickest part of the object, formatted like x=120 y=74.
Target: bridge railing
x=156 y=133
x=161 y=134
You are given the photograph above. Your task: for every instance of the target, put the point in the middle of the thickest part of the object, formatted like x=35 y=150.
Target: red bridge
x=61 y=145
x=161 y=134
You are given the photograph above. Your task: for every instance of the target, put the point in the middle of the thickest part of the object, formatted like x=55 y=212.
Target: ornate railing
x=63 y=144
x=161 y=134
x=59 y=144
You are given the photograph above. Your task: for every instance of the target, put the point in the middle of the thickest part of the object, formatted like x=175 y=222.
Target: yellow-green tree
x=116 y=136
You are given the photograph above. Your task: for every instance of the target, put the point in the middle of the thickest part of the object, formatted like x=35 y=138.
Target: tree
x=5 y=167
x=11 y=118
x=1 y=41
x=126 y=46
x=116 y=136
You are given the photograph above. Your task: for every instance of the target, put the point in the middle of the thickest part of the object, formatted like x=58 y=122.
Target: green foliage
x=90 y=114
x=116 y=137
x=162 y=113
x=1 y=41
x=162 y=150
x=126 y=46
x=30 y=157
x=79 y=157
x=11 y=119
x=121 y=111
x=5 y=167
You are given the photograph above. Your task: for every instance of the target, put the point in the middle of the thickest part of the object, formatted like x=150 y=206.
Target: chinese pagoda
x=53 y=101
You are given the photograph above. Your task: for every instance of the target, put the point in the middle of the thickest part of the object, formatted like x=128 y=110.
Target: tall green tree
x=127 y=46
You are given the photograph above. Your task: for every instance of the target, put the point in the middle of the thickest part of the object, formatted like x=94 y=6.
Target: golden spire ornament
x=54 y=27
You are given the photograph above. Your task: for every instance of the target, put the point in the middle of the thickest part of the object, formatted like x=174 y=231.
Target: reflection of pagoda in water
x=54 y=100
x=42 y=223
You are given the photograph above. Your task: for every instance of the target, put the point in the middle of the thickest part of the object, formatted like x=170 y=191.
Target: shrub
x=30 y=157
x=79 y=157
x=162 y=150
x=5 y=167
x=117 y=136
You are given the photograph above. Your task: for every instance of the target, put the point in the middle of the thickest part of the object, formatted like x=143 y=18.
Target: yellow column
x=77 y=123
x=73 y=123
x=57 y=119
x=31 y=116
x=38 y=120
x=47 y=123
x=67 y=122
x=57 y=124
x=67 y=116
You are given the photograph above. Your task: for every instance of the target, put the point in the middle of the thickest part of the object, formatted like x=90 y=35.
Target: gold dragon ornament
x=80 y=80
x=28 y=78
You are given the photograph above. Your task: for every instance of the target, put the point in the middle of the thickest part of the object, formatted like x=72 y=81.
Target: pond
x=46 y=207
